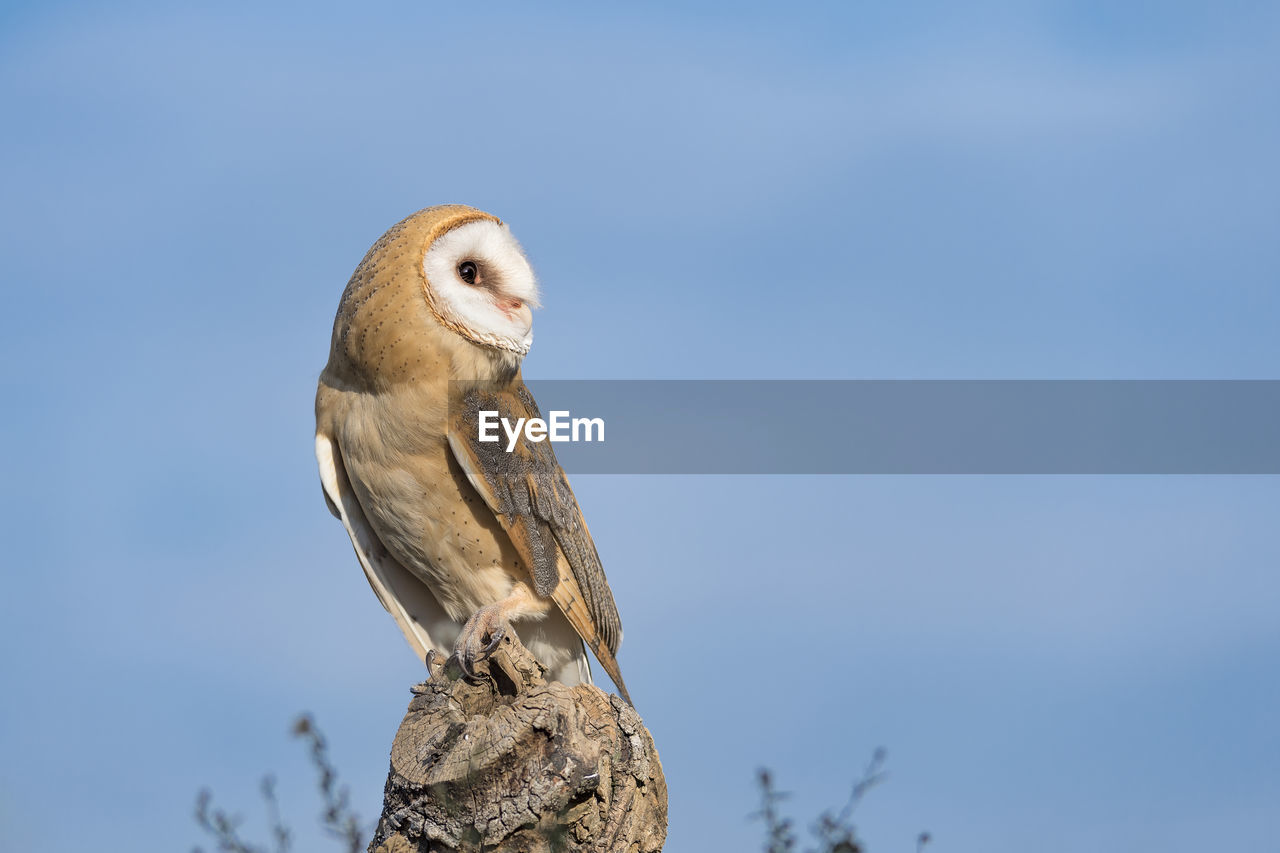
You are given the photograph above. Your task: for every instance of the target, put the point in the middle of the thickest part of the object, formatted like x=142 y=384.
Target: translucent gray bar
x=921 y=427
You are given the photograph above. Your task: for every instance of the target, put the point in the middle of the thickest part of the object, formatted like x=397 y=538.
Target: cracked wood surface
x=514 y=763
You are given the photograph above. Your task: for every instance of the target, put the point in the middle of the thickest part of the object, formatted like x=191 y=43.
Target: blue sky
x=1004 y=190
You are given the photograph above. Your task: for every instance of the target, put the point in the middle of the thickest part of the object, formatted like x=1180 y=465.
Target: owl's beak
x=517 y=311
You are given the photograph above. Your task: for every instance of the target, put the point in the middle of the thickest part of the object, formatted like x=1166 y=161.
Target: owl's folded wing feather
x=423 y=621
x=528 y=492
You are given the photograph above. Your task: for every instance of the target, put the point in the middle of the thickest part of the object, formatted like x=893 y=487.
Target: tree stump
x=510 y=763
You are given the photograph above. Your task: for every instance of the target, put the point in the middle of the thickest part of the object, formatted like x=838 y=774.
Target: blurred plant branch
x=834 y=832
x=337 y=816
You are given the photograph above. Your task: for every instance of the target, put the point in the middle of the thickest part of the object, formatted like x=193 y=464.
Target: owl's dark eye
x=467 y=272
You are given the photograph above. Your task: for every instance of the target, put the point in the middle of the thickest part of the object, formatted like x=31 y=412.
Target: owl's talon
x=471 y=647
x=465 y=667
x=495 y=637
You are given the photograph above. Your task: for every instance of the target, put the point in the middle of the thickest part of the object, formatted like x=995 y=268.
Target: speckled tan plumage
x=431 y=545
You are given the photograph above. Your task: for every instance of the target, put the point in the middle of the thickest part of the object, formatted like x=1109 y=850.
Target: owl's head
x=478 y=282
x=447 y=287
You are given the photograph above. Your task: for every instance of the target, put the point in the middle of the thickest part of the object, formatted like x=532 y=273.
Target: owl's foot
x=480 y=636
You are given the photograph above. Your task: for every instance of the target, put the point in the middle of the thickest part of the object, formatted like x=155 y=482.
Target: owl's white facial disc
x=482 y=285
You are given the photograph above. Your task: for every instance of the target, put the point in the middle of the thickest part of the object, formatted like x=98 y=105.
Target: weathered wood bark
x=513 y=763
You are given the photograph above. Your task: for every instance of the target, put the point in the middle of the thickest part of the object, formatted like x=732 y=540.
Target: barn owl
x=461 y=541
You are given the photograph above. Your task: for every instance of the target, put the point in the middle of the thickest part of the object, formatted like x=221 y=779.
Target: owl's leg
x=487 y=626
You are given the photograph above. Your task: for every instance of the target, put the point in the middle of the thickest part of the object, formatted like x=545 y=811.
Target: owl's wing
x=528 y=492
x=421 y=618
